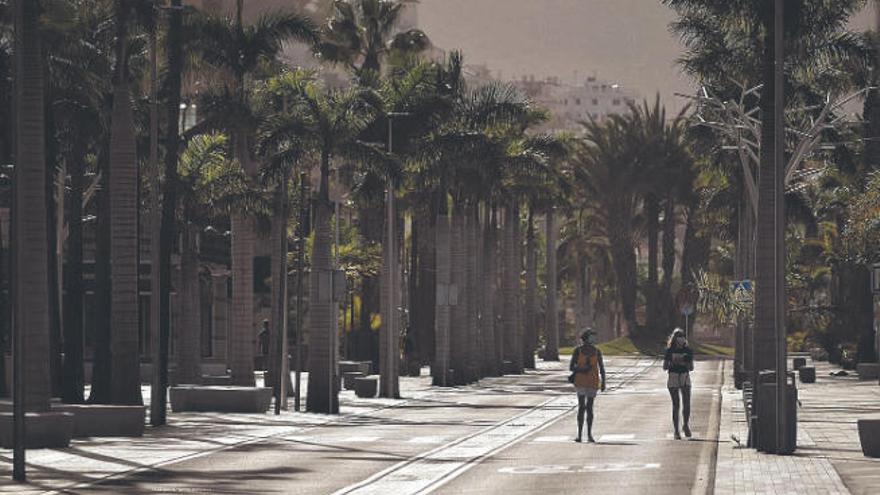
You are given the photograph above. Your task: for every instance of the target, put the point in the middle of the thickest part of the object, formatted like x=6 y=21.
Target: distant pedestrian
x=264 y=339
x=587 y=367
x=679 y=362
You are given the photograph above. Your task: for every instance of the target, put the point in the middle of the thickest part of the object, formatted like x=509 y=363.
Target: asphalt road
x=509 y=435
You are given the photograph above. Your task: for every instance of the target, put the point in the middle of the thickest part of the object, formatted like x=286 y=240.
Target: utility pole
x=779 y=215
x=300 y=247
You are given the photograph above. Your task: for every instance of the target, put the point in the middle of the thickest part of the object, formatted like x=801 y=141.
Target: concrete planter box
x=100 y=420
x=869 y=436
x=223 y=380
x=798 y=362
x=366 y=386
x=349 y=377
x=220 y=399
x=365 y=367
x=868 y=371
x=807 y=374
x=45 y=430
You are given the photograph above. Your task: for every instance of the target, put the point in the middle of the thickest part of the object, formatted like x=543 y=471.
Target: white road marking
x=555 y=439
x=577 y=469
x=616 y=437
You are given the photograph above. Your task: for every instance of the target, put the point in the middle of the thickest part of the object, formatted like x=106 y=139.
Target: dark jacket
x=687 y=364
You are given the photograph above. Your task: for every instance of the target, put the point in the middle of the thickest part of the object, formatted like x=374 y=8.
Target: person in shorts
x=679 y=362
x=587 y=367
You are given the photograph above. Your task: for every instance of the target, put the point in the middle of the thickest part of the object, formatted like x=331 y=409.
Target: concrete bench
x=102 y=420
x=366 y=386
x=45 y=430
x=868 y=371
x=349 y=377
x=807 y=374
x=869 y=436
x=220 y=399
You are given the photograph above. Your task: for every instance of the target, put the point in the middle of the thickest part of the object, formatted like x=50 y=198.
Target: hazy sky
x=622 y=41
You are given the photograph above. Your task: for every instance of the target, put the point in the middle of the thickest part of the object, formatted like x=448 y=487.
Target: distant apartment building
x=571 y=104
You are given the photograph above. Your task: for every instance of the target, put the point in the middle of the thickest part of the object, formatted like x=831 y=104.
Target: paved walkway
x=828 y=459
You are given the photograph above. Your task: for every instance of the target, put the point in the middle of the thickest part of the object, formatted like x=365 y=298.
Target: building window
x=615 y=102
x=595 y=102
x=577 y=101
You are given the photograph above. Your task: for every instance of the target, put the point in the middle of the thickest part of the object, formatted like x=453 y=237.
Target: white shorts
x=586 y=391
x=678 y=380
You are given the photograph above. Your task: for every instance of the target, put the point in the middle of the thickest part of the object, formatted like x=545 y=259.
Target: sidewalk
x=828 y=459
x=186 y=436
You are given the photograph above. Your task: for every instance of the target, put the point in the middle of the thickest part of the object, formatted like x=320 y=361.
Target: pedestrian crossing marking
x=554 y=439
x=616 y=437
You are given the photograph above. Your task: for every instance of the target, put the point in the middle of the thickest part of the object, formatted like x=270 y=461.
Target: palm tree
x=360 y=34
x=605 y=169
x=329 y=121
x=123 y=186
x=237 y=52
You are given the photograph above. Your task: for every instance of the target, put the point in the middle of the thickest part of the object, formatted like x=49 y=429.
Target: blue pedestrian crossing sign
x=742 y=290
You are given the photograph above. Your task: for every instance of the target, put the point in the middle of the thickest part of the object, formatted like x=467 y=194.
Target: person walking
x=679 y=362
x=587 y=367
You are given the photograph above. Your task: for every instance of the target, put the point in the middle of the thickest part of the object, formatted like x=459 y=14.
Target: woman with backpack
x=679 y=362
x=586 y=367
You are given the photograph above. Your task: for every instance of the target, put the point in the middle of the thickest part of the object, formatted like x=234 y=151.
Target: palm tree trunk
x=473 y=335
x=279 y=301
x=125 y=356
x=666 y=300
x=55 y=254
x=29 y=230
x=242 y=335
x=189 y=355
x=74 y=381
x=100 y=390
x=458 y=332
x=652 y=293
x=490 y=291
x=442 y=312
x=323 y=392
x=517 y=267
x=551 y=352
x=531 y=309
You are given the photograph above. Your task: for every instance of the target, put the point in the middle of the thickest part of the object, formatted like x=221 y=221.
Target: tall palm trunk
x=551 y=352
x=667 y=319
x=624 y=261
x=100 y=390
x=513 y=345
x=125 y=356
x=442 y=312
x=531 y=310
x=652 y=293
x=55 y=180
x=189 y=355
x=490 y=291
x=323 y=393
x=73 y=375
x=459 y=330
x=426 y=287
x=29 y=233
x=519 y=326
x=242 y=335
x=470 y=299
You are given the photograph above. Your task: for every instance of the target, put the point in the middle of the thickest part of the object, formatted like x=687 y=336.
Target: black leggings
x=684 y=403
x=588 y=409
